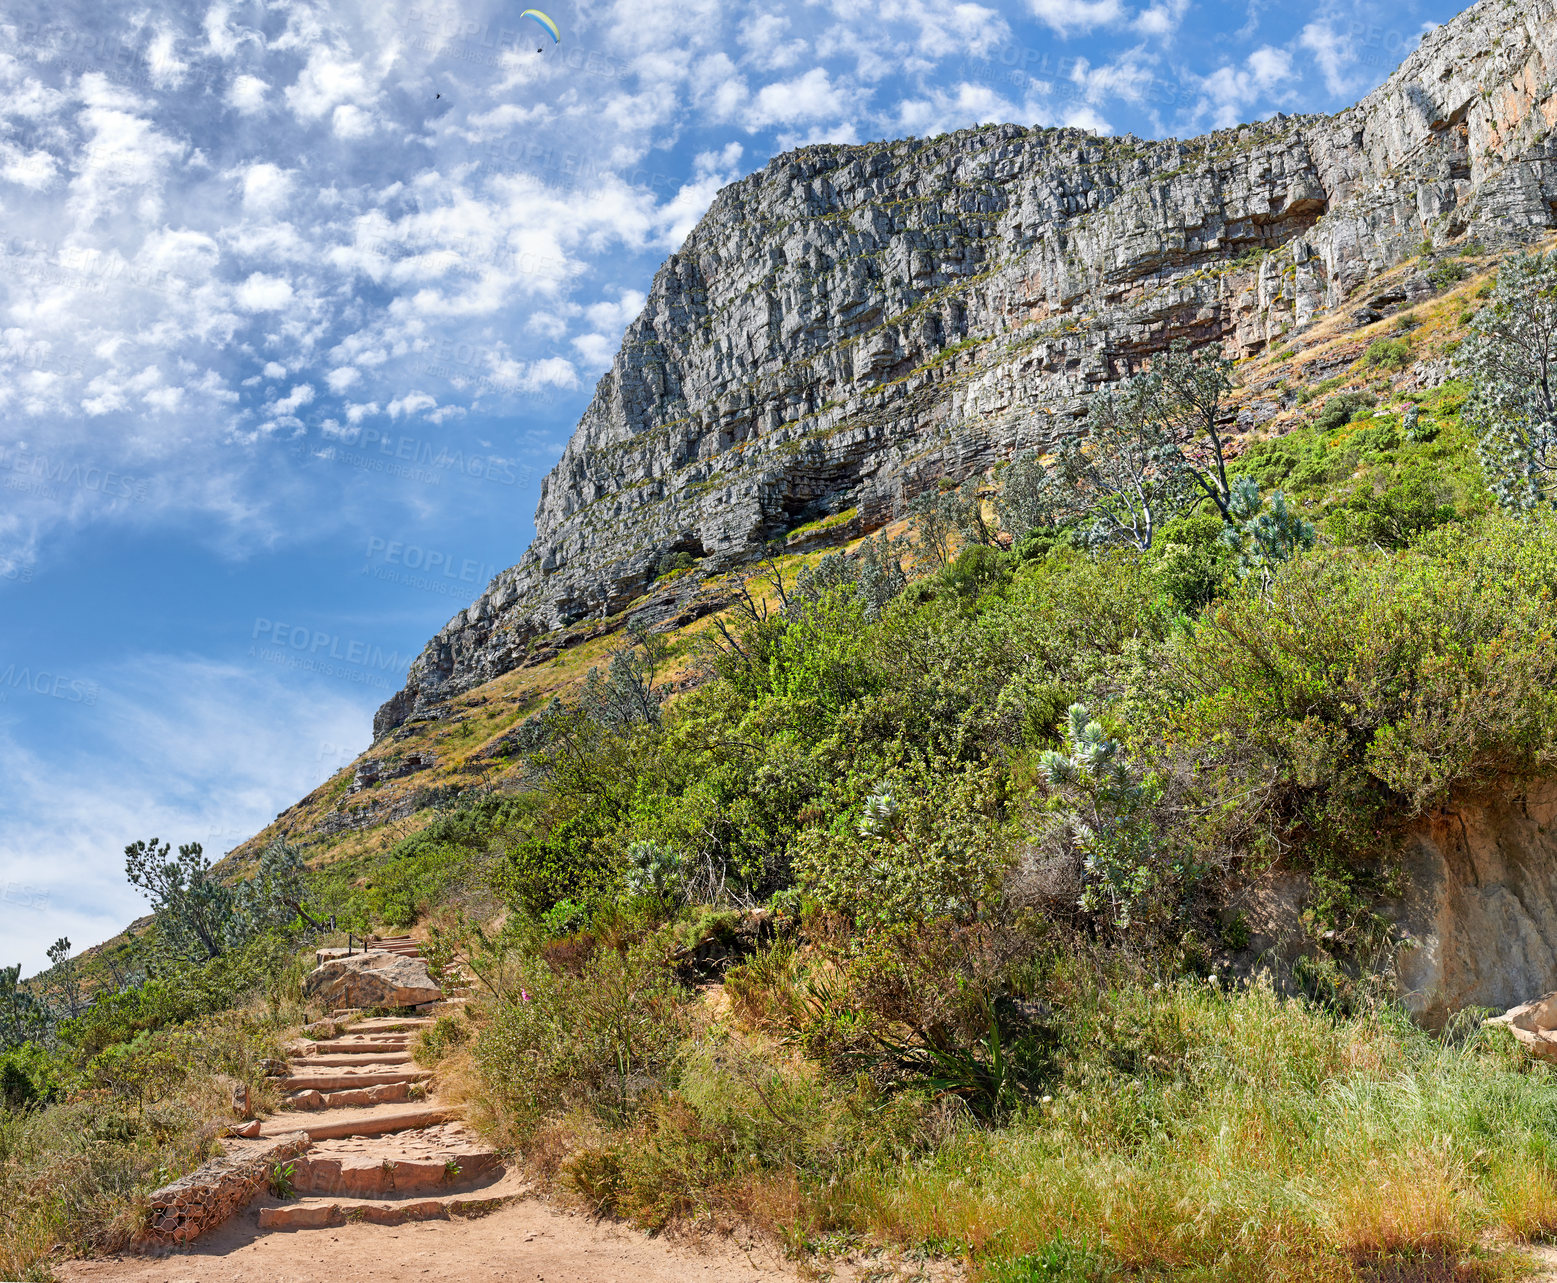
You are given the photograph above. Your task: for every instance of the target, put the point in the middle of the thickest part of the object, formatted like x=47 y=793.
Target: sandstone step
x=374 y=1173
x=345 y=1080
x=381 y=1094
x=371 y=1121
x=355 y=1058
x=389 y=1024
x=320 y=1213
x=375 y=1042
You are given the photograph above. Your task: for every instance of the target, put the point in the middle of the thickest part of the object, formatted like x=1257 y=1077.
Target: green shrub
x=1377 y=684
x=440 y=1038
x=1445 y=273
x=594 y=1040
x=941 y=854
x=1340 y=410
x=1393 y=519
x=1057 y=1262
x=1388 y=354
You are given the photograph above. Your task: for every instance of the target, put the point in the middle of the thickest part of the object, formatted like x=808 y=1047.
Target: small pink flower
x=525 y=994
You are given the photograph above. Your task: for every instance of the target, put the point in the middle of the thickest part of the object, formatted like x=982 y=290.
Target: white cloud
x=262 y=293
x=1073 y=17
x=809 y=97
x=1161 y=19
x=266 y=187
x=302 y=394
x=187 y=750
x=710 y=171
x=246 y=95
x=124 y=159
x=342 y=378
x=1128 y=78
x=162 y=61
x=411 y=403
x=350 y=122
x=36 y=170
x=1232 y=92
x=965 y=104
x=553 y=372
x=1332 y=52
x=328 y=81
x=1086 y=118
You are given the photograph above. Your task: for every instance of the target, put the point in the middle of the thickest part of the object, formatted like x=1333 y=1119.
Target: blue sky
x=298 y=302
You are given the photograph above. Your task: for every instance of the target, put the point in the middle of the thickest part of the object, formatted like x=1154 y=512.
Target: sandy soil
x=527 y=1241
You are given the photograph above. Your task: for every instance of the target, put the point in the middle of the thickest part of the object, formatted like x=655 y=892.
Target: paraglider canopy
x=551 y=27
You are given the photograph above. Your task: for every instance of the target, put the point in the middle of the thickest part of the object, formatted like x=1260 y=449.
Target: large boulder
x=1534 y=1025
x=372 y=979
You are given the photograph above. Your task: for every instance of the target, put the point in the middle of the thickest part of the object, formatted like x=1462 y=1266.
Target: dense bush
x=1367 y=682
x=595 y=1034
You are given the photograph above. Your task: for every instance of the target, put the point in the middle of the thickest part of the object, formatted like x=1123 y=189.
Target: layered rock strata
x=851 y=323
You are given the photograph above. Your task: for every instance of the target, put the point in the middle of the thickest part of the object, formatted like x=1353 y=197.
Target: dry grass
x=75 y=1176
x=1190 y=1134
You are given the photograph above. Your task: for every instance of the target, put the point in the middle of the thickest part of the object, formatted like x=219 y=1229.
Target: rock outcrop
x=372 y=979
x=1481 y=904
x=1534 y=1025
x=853 y=322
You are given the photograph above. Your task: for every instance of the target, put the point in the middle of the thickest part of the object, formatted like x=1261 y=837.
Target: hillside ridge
x=852 y=323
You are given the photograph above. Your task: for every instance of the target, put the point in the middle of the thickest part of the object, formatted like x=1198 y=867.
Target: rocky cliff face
x=852 y=323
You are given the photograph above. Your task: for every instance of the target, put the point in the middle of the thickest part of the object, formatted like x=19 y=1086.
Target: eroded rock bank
x=1481 y=904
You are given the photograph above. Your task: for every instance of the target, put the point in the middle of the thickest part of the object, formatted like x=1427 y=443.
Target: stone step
x=389 y=1024
x=376 y=1042
x=381 y=1094
x=356 y=1058
x=331 y=1124
x=347 y=1081
x=368 y=1175
x=321 y=1213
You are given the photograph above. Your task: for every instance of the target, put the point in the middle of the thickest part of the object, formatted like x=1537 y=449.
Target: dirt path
x=394 y=1188
x=526 y=1241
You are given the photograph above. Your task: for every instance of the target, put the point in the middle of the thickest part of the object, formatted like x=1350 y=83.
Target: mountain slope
x=852 y=323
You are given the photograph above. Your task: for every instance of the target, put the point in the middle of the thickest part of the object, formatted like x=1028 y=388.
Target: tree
x=1105 y=810
x=937 y=517
x=1030 y=498
x=1264 y=533
x=1128 y=476
x=22 y=1016
x=881 y=576
x=874 y=572
x=1184 y=393
x=192 y=906
x=66 y=996
x=625 y=694
x=1508 y=359
x=968 y=508
x=274 y=896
